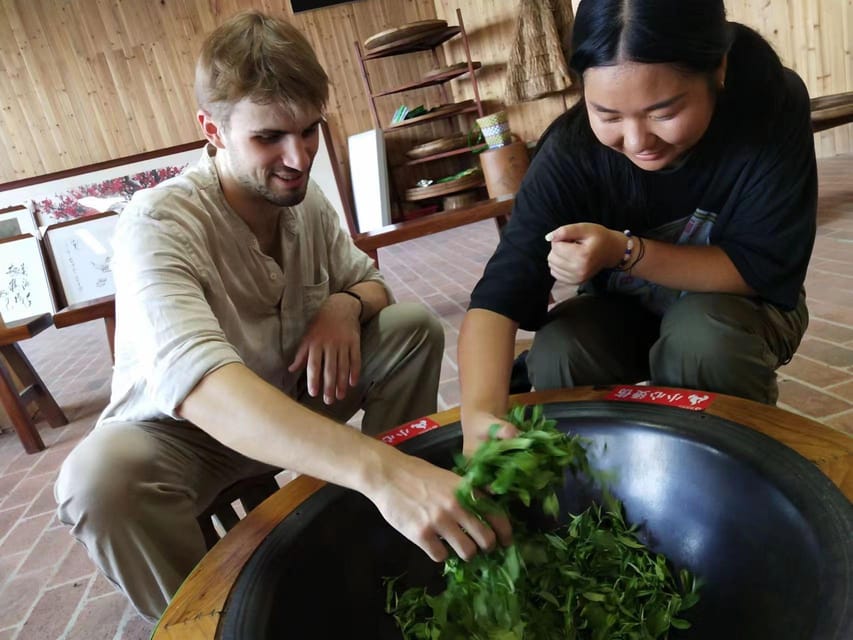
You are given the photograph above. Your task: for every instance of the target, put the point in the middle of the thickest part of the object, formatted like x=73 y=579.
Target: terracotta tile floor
x=49 y=589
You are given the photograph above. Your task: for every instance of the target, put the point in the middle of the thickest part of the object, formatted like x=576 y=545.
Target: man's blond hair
x=267 y=60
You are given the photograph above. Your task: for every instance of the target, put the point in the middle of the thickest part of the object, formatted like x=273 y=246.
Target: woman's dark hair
x=691 y=35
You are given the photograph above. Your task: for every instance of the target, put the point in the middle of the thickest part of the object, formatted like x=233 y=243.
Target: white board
x=369 y=169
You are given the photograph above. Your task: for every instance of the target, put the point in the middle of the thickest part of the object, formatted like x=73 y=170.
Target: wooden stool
x=34 y=390
x=250 y=492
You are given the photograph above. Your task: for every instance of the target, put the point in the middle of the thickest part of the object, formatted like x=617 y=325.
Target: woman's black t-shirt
x=751 y=190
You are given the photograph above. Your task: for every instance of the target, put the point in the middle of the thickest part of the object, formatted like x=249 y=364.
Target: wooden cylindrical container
x=504 y=167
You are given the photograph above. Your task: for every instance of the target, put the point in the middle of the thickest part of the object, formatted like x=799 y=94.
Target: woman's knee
x=710 y=342
x=711 y=328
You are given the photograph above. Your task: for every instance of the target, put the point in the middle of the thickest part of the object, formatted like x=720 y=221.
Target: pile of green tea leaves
x=590 y=578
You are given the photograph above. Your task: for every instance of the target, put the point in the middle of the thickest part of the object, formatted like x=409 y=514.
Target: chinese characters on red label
x=681 y=398
x=408 y=430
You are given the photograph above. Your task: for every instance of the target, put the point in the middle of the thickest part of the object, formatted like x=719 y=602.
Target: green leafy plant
x=590 y=578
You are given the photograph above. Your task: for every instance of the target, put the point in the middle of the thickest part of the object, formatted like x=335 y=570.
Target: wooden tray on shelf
x=437 y=146
x=418 y=42
x=410 y=30
x=439 y=189
x=438 y=76
x=459 y=67
x=438 y=112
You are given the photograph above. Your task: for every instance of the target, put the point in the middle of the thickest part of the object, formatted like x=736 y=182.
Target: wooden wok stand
x=196 y=610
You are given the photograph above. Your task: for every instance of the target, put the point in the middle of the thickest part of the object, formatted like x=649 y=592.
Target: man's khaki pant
x=709 y=341
x=132 y=491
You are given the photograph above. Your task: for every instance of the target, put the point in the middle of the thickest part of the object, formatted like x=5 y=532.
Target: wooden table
x=16 y=402
x=195 y=611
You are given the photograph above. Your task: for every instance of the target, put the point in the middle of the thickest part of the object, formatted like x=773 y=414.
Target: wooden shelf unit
x=424 y=42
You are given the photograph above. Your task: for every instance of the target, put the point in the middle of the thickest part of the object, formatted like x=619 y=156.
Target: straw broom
x=537 y=63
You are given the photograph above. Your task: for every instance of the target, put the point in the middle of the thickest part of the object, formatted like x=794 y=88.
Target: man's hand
x=579 y=251
x=475 y=430
x=331 y=348
x=419 y=500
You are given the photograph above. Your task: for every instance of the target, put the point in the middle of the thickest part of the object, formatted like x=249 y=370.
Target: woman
x=679 y=194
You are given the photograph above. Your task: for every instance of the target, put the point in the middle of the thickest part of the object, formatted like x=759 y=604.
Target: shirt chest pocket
x=313 y=296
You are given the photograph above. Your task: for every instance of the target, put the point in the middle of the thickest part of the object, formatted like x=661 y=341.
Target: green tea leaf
x=590 y=578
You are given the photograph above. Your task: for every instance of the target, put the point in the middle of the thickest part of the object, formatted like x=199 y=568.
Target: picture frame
x=16 y=221
x=25 y=289
x=81 y=253
x=57 y=199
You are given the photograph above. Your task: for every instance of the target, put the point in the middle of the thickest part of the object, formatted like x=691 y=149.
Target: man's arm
x=414 y=496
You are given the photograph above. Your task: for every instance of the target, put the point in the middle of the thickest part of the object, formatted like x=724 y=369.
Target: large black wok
x=767 y=532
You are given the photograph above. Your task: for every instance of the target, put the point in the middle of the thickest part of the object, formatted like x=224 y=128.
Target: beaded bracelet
x=629 y=249
x=640 y=253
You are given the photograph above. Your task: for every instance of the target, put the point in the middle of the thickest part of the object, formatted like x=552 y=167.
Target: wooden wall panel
x=814 y=37
x=83 y=81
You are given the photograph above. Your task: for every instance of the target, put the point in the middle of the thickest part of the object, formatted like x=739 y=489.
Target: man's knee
x=416 y=317
x=96 y=480
x=413 y=323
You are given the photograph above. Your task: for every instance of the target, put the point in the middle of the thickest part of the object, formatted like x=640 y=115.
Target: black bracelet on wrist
x=360 y=302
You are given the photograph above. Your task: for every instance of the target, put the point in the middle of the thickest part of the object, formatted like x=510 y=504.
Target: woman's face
x=652 y=113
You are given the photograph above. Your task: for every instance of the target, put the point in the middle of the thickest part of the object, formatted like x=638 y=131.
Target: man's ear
x=210 y=128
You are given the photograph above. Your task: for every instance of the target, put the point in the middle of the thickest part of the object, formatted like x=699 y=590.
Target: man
x=248 y=326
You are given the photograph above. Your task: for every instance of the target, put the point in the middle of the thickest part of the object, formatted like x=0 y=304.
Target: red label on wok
x=681 y=398
x=408 y=430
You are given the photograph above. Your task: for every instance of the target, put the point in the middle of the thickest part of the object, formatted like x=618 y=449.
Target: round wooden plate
x=403 y=31
x=444 y=188
x=459 y=66
x=437 y=146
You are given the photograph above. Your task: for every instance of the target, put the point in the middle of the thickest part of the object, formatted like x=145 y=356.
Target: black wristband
x=360 y=301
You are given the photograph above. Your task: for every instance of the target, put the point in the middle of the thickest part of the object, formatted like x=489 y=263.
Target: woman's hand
x=579 y=251
x=476 y=428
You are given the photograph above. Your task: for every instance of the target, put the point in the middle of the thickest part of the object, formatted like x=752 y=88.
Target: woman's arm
x=579 y=251
x=486 y=344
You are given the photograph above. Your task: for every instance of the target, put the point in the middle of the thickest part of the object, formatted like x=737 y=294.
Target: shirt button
x=273 y=276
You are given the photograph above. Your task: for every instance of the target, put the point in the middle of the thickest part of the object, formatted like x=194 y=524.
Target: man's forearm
x=247 y=414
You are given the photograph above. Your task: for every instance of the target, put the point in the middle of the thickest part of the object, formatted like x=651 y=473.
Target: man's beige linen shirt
x=194 y=291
